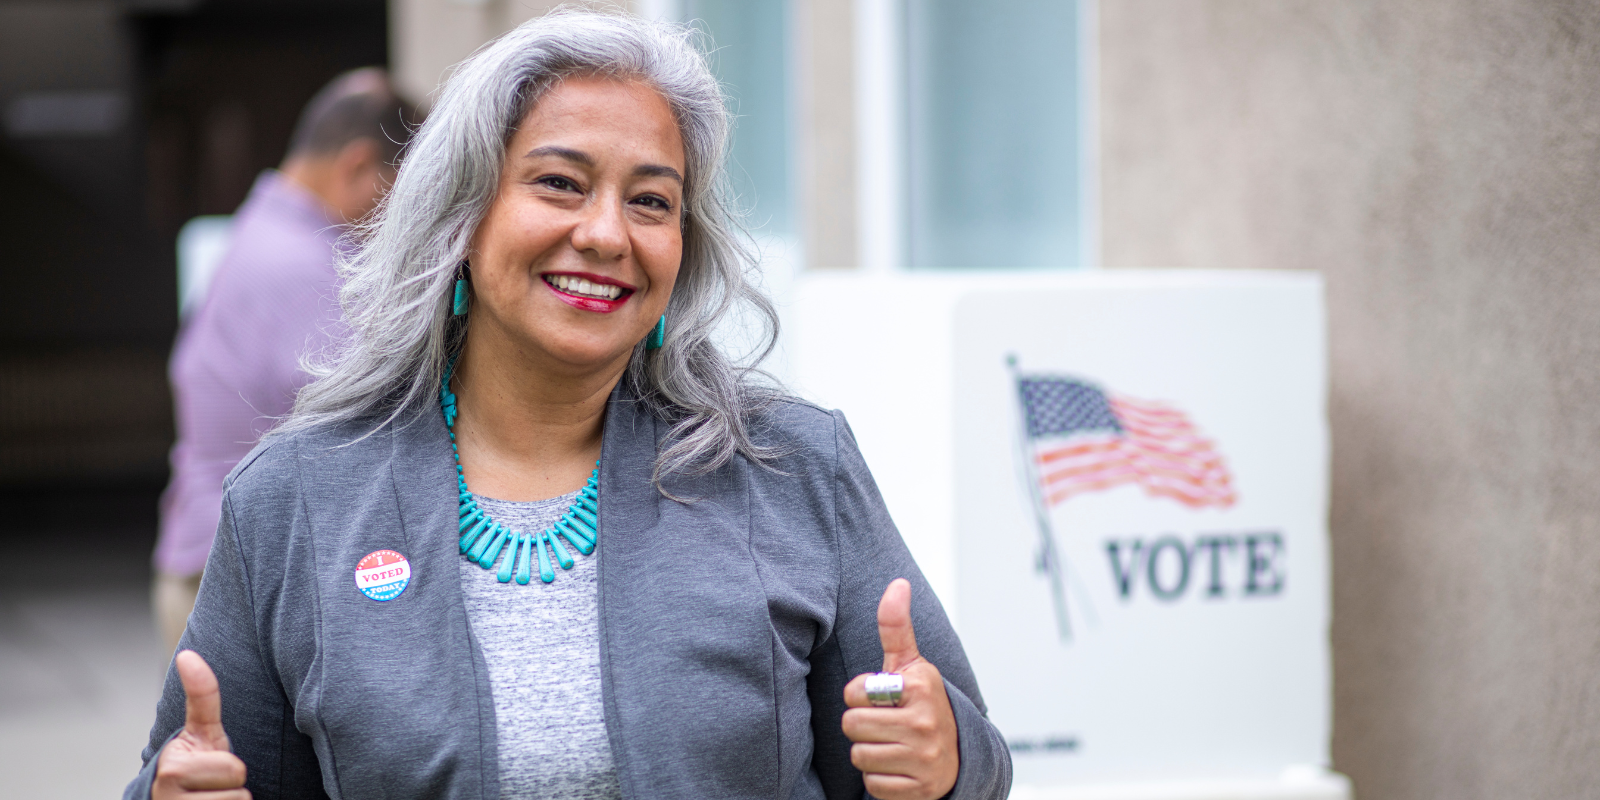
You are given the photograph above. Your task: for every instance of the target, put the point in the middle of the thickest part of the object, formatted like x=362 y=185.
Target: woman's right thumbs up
x=197 y=760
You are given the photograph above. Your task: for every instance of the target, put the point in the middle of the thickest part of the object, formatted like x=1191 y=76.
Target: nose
x=602 y=234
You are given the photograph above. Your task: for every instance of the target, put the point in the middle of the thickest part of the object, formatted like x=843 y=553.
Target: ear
x=358 y=157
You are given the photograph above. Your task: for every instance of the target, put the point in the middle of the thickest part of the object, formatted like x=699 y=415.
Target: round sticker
x=383 y=575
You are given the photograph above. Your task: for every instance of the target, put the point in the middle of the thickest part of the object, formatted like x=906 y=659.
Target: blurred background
x=1435 y=161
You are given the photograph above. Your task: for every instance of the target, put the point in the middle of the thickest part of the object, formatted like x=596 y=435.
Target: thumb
x=894 y=626
x=203 y=718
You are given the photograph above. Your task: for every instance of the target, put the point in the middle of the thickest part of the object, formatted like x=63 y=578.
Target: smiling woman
x=369 y=624
x=577 y=256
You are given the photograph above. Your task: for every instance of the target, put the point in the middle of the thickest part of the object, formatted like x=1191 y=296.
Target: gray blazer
x=728 y=626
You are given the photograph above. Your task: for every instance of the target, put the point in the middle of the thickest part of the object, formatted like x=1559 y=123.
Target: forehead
x=606 y=118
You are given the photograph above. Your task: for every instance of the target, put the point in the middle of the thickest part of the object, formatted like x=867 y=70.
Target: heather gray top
x=728 y=626
x=542 y=645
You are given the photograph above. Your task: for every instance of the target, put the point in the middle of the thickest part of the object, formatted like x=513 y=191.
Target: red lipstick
x=587 y=291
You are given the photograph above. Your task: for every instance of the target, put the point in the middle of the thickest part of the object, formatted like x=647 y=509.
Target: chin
x=585 y=351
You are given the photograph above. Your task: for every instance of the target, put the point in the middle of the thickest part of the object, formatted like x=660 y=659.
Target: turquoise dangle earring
x=459 y=307
x=658 y=335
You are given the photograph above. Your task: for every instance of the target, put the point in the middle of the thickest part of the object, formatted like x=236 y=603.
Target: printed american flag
x=1084 y=440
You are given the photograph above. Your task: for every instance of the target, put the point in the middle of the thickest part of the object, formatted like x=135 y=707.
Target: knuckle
x=884 y=789
x=858 y=757
x=170 y=765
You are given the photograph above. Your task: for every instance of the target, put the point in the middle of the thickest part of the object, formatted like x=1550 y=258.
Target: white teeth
x=582 y=286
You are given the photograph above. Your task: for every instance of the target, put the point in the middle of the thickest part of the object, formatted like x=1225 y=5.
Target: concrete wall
x=1439 y=162
x=826 y=140
x=427 y=37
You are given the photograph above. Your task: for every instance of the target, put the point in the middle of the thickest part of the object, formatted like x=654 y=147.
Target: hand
x=197 y=763
x=909 y=752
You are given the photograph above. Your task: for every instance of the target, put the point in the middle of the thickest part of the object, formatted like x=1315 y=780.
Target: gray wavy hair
x=399 y=280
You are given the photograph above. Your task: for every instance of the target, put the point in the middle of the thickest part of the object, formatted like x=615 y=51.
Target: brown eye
x=558 y=183
x=654 y=201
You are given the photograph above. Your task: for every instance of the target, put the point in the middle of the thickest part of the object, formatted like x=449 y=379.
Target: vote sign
x=1141 y=503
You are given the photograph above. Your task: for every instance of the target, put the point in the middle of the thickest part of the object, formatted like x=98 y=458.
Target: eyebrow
x=576 y=156
x=657 y=171
x=584 y=159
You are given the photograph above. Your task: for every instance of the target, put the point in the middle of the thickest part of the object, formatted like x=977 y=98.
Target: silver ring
x=885 y=688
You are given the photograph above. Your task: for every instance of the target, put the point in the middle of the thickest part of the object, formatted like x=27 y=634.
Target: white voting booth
x=1117 y=483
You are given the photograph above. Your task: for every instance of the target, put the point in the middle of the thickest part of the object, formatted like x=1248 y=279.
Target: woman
x=532 y=535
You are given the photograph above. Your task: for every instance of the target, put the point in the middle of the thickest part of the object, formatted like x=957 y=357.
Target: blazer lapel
x=424 y=477
x=686 y=646
x=402 y=663
x=627 y=498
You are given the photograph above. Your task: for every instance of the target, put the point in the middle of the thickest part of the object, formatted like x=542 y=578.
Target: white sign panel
x=1140 y=478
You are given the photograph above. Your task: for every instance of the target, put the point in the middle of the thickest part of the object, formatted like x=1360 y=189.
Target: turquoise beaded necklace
x=483 y=539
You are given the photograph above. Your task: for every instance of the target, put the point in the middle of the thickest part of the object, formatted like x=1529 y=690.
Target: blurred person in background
x=236 y=366
x=409 y=597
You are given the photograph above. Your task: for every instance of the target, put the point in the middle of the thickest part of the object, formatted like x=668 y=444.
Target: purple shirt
x=236 y=365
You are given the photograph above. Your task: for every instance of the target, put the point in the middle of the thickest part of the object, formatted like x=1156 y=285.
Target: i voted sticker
x=383 y=574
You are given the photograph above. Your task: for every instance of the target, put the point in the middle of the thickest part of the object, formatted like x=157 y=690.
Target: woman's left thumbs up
x=909 y=751
x=197 y=762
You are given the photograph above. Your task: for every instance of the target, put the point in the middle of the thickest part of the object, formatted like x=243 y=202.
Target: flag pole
x=1049 y=559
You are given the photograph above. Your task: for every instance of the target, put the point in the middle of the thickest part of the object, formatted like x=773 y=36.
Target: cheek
x=513 y=232
x=661 y=258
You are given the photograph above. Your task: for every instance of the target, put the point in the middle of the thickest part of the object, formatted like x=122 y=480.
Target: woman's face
x=577 y=256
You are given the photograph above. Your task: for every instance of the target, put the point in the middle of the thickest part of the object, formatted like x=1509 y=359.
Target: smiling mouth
x=585 y=288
